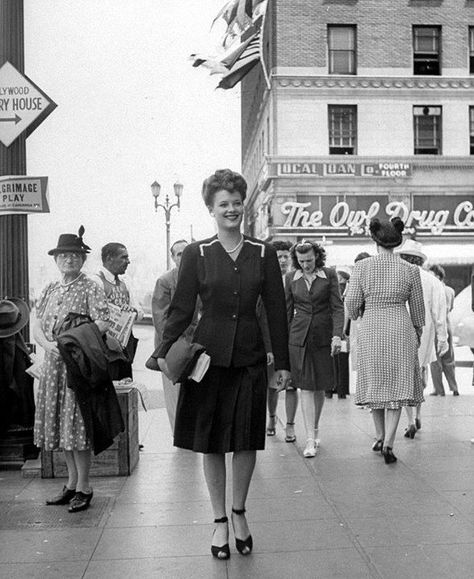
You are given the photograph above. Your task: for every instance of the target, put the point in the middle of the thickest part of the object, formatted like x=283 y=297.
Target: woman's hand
x=336 y=345
x=51 y=348
x=282 y=380
x=270 y=358
x=102 y=325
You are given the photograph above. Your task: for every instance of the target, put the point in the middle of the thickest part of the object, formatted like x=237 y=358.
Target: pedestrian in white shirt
x=444 y=364
x=434 y=339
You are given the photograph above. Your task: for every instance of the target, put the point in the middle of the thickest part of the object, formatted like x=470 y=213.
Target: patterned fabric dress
x=58 y=420
x=388 y=371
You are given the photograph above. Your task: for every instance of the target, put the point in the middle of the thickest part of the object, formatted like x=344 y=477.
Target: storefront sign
x=353 y=214
x=351 y=169
x=24 y=195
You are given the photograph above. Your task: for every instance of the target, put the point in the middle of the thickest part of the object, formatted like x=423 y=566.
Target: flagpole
x=262 y=60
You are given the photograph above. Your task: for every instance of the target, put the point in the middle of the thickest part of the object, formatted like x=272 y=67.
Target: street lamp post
x=167 y=207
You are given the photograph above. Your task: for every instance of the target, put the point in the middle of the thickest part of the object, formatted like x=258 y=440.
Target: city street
x=343 y=514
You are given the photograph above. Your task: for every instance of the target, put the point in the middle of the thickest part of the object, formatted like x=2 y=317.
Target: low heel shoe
x=63 y=498
x=80 y=502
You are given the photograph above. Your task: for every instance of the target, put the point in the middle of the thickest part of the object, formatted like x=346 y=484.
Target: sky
x=131 y=110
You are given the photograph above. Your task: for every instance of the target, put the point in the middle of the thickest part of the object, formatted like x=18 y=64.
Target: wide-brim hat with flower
x=14 y=315
x=71 y=242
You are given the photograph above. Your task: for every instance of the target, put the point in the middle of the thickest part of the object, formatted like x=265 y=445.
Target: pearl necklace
x=66 y=285
x=238 y=246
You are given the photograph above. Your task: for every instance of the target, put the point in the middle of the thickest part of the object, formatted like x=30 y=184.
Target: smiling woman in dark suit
x=316 y=319
x=226 y=411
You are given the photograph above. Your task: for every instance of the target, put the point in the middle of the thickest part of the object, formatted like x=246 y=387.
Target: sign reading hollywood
x=23 y=195
x=354 y=215
x=23 y=106
x=346 y=169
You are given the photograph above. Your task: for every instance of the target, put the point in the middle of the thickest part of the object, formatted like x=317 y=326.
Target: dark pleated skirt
x=225 y=412
x=311 y=367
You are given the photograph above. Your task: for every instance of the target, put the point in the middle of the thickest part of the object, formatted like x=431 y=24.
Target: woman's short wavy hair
x=305 y=247
x=223 y=179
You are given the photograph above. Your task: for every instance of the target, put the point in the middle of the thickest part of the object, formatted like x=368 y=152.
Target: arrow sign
x=16 y=119
x=23 y=105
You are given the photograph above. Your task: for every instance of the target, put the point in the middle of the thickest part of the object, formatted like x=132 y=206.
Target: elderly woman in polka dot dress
x=58 y=421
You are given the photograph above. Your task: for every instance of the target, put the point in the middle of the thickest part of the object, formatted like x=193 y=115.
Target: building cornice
x=370 y=82
x=417 y=161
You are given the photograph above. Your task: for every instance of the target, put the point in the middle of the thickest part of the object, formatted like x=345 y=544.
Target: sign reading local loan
x=20 y=194
x=345 y=169
x=23 y=106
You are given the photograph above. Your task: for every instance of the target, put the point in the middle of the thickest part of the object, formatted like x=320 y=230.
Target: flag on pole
x=225 y=63
x=239 y=16
x=242 y=60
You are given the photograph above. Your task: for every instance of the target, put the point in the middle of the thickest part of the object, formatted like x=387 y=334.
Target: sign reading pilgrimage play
x=20 y=194
x=23 y=106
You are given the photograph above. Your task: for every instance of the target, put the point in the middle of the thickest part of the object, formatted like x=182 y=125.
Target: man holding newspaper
x=123 y=310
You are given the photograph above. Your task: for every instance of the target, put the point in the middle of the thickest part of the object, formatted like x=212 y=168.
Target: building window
x=471 y=49
x=427 y=130
x=342 y=49
x=471 y=129
x=426 y=50
x=342 y=129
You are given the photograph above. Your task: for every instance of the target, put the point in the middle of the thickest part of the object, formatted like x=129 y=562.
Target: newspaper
x=36 y=368
x=121 y=324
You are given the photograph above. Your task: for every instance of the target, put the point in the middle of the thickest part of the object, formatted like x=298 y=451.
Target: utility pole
x=14 y=280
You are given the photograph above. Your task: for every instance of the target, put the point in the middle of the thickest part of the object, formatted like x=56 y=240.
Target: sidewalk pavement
x=343 y=514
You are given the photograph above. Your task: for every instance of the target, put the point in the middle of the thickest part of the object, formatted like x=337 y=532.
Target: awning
x=455 y=253
x=343 y=255
x=444 y=253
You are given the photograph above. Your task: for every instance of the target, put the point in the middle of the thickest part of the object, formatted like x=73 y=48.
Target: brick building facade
x=370 y=112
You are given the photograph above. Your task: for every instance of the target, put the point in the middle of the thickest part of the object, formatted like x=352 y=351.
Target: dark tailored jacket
x=17 y=404
x=87 y=360
x=228 y=328
x=314 y=315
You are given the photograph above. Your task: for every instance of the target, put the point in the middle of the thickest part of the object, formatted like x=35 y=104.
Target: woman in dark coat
x=316 y=318
x=226 y=411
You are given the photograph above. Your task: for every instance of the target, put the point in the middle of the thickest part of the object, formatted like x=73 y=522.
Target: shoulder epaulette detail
x=257 y=244
x=203 y=245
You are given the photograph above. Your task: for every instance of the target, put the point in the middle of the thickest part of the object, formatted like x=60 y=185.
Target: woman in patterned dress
x=388 y=371
x=225 y=412
x=58 y=420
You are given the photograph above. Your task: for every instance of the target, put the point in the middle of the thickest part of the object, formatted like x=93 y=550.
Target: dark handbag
x=180 y=359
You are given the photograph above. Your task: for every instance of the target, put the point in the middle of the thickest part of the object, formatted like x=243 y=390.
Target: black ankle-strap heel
x=224 y=551
x=243 y=546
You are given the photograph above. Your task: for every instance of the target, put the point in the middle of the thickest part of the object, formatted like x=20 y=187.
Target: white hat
x=412 y=247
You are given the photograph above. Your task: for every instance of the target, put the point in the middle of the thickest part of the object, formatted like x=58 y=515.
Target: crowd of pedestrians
x=272 y=317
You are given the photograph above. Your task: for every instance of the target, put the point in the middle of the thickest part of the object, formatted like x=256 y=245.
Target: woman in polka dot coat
x=58 y=421
x=388 y=370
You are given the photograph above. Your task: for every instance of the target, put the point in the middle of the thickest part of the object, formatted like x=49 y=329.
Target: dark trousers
x=444 y=365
